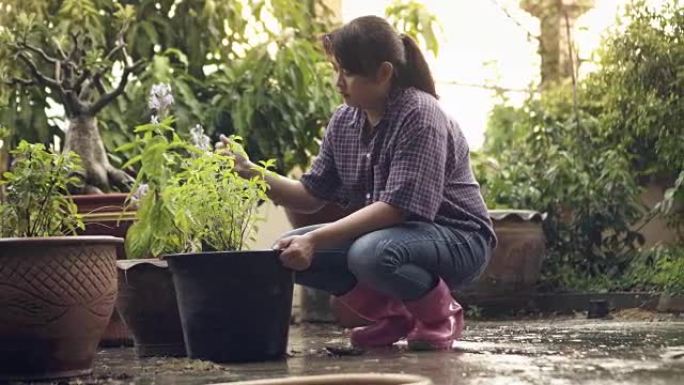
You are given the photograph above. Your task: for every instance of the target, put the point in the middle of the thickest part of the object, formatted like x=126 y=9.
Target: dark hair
x=363 y=44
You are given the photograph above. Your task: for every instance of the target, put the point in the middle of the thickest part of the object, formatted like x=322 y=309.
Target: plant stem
x=43 y=218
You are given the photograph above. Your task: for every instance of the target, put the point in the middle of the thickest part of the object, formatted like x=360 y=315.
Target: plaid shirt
x=416 y=159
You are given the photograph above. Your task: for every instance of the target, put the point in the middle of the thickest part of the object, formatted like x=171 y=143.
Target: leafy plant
x=189 y=198
x=638 y=92
x=279 y=102
x=670 y=269
x=585 y=186
x=660 y=268
x=37 y=203
x=220 y=206
x=584 y=163
x=413 y=18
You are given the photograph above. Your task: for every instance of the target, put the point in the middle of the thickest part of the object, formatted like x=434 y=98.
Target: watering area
x=628 y=348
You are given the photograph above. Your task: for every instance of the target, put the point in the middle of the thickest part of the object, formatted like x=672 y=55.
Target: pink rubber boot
x=438 y=320
x=391 y=320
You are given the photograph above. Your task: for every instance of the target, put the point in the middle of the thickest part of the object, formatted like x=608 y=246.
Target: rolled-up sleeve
x=415 y=182
x=322 y=180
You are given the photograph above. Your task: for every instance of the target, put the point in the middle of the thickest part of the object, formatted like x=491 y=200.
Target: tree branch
x=97 y=80
x=79 y=82
x=41 y=52
x=71 y=104
x=107 y=98
x=23 y=82
x=60 y=50
x=97 y=75
x=77 y=106
x=503 y=9
x=74 y=49
x=113 y=51
x=39 y=76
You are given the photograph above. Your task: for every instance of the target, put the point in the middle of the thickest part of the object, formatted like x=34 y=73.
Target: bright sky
x=480 y=44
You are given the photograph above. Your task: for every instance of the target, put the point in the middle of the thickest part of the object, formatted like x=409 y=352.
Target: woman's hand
x=297 y=251
x=244 y=167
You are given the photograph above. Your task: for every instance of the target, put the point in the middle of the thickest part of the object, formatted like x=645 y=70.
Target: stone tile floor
x=558 y=351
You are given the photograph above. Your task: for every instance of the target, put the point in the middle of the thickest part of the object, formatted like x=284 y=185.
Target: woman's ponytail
x=415 y=73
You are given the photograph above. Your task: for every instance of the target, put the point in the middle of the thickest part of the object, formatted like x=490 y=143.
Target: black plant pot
x=234 y=306
x=147 y=302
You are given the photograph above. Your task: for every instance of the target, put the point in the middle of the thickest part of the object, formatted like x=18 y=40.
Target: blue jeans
x=404 y=261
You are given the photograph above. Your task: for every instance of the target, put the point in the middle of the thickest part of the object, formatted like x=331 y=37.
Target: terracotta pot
x=516 y=263
x=343 y=379
x=100 y=203
x=147 y=302
x=103 y=214
x=56 y=297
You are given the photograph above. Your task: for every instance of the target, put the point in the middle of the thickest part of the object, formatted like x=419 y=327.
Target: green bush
x=584 y=163
x=660 y=268
x=588 y=192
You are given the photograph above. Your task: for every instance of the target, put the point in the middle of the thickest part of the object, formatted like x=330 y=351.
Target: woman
x=421 y=226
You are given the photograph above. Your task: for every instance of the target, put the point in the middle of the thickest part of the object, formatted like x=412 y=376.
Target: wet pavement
x=556 y=351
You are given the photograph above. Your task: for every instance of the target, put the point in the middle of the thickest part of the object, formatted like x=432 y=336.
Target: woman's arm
x=375 y=216
x=282 y=190
x=291 y=194
x=298 y=250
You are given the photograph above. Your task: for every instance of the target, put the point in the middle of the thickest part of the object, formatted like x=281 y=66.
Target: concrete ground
x=571 y=350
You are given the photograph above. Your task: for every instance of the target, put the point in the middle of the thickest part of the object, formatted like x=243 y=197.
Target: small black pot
x=598 y=308
x=147 y=303
x=234 y=306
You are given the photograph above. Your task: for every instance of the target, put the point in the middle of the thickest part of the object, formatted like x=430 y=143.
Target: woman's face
x=357 y=90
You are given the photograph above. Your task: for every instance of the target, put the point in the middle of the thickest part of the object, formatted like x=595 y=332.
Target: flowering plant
x=188 y=197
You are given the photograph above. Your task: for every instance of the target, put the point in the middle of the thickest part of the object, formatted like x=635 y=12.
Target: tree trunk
x=553 y=40
x=83 y=138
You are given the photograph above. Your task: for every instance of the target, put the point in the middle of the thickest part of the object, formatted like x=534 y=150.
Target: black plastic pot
x=234 y=306
x=598 y=308
x=147 y=302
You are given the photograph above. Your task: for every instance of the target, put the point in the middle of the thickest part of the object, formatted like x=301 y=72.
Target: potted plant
x=147 y=304
x=58 y=290
x=235 y=305
x=147 y=295
x=198 y=214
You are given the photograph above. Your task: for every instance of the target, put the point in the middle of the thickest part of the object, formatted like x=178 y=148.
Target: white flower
x=199 y=139
x=160 y=98
x=140 y=192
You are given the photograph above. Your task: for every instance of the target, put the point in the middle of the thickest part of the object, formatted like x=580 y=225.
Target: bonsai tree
x=37 y=203
x=73 y=67
x=200 y=47
x=189 y=198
